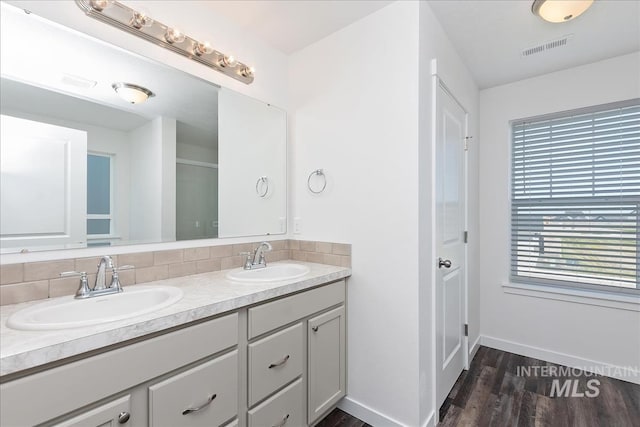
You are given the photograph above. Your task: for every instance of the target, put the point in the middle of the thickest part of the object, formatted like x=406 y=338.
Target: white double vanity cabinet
x=279 y=362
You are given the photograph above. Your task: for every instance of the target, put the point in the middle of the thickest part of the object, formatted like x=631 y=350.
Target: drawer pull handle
x=282 y=362
x=283 y=422
x=204 y=405
x=315 y=328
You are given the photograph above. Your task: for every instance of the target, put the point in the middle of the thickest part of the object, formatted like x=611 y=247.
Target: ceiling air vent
x=548 y=45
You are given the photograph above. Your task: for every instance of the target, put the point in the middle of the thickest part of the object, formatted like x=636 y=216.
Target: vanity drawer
x=274 y=361
x=272 y=315
x=282 y=410
x=210 y=390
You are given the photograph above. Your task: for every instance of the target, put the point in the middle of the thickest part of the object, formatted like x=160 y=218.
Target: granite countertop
x=205 y=295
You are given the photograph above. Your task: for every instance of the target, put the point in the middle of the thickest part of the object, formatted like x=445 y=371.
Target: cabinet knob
x=123 y=417
x=283 y=422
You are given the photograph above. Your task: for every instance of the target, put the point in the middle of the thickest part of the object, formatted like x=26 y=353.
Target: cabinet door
x=206 y=395
x=327 y=376
x=114 y=413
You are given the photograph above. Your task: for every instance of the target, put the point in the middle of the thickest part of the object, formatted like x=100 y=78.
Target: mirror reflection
x=117 y=149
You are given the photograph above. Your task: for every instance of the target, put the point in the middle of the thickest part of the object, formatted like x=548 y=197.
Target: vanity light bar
x=117 y=14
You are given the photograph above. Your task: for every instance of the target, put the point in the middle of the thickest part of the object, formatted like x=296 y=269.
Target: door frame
x=436 y=83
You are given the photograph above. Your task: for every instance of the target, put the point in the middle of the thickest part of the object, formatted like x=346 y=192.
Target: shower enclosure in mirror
x=104 y=147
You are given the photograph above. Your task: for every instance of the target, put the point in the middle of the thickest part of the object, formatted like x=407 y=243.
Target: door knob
x=444 y=263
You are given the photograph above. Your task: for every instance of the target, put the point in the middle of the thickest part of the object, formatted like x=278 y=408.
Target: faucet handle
x=247 y=259
x=73 y=273
x=83 y=290
x=115 y=279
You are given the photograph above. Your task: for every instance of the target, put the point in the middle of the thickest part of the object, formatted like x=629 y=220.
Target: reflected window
x=99 y=196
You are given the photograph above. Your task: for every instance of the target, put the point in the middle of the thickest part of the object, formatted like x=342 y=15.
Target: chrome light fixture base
x=560 y=10
x=125 y=18
x=131 y=93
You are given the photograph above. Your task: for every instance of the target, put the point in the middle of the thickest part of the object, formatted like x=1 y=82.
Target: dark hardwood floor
x=339 y=418
x=497 y=391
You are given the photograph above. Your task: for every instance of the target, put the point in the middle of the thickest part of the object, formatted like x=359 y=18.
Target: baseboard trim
x=367 y=414
x=474 y=348
x=629 y=374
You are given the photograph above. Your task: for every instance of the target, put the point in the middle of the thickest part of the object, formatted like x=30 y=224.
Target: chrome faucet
x=99 y=288
x=101 y=277
x=256 y=259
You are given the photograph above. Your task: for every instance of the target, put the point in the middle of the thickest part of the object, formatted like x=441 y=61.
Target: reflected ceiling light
x=136 y=22
x=131 y=93
x=560 y=10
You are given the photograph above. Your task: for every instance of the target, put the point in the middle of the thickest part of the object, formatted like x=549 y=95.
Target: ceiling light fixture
x=131 y=93
x=560 y=10
x=135 y=22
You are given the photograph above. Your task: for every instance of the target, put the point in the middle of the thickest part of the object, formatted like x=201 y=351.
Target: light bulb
x=202 y=48
x=100 y=5
x=140 y=20
x=247 y=71
x=227 y=61
x=174 y=35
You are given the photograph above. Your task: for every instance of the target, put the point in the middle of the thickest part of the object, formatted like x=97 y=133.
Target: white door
x=43 y=189
x=450 y=250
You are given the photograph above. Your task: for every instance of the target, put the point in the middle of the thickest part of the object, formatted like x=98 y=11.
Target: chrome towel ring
x=262 y=186
x=320 y=173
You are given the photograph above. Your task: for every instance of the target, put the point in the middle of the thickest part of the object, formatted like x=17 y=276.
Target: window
x=575 y=198
x=99 y=198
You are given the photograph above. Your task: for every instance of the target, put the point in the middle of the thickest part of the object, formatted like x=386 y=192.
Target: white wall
x=555 y=328
x=153 y=181
x=270 y=84
x=251 y=144
x=354 y=108
x=434 y=44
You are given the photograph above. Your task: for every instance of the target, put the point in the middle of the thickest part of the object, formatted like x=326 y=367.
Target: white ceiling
x=490 y=35
x=291 y=25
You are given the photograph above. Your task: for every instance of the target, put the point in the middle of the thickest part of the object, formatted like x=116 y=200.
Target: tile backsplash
x=41 y=280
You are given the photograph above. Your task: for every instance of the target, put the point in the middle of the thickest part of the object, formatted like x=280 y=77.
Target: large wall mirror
x=84 y=164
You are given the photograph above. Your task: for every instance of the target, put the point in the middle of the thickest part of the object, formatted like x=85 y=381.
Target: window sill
x=579 y=296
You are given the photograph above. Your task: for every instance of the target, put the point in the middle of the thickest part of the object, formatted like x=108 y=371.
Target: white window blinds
x=575 y=198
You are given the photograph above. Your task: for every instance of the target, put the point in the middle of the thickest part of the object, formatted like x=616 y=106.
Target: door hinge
x=466 y=329
x=466 y=142
x=466 y=236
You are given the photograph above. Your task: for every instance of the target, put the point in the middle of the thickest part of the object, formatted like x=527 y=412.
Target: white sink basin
x=271 y=273
x=68 y=312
